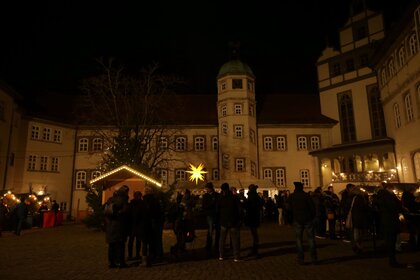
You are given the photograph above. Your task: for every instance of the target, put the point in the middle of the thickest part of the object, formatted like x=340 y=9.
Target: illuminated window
x=47 y=134
x=281 y=143
x=240 y=164
x=97 y=144
x=54 y=164
x=80 y=179
x=83 y=145
x=199 y=143
x=268 y=143
x=35 y=132
x=180 y=143
x=302 y=143
x=304 y=177
x=32 y=162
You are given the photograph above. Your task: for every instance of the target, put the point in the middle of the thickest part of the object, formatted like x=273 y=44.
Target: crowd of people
x=321 y=214
x=15 y=218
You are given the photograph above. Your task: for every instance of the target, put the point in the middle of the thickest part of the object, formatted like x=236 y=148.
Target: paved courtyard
x=75 y=252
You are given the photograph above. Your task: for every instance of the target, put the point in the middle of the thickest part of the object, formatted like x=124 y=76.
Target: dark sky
x=51 y=45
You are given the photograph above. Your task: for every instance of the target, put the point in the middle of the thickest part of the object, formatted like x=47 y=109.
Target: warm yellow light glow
x=128 y=169
x=196 y=173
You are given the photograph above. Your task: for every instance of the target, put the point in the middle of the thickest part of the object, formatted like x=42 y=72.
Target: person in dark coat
x=320 y=213
x=116 y=227
x=253 y=207
x=209 y=208
x=230 y=219
x=345 y=204
x=152 y=217
x=136 y=225
x=3 y=215
x=389 y=208
x=20 y=212
x=360 y=213
x=412 y=209
x=332 y=203
x=303 y=212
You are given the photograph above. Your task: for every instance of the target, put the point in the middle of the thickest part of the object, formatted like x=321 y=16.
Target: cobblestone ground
x=75 y=252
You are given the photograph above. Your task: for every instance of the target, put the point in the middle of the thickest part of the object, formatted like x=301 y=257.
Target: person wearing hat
x=230 y=220
x=209 y=207
x=253 y=207
x=303 y=213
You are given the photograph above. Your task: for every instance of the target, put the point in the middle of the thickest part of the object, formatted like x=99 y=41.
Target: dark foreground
x=75 y=252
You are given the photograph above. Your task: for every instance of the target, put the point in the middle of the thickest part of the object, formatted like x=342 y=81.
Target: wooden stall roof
x=122 y=173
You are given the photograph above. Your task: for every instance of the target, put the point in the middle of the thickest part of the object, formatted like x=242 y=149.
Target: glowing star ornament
x=196 y=173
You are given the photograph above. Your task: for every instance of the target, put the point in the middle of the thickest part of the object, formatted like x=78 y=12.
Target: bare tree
x=133 y=114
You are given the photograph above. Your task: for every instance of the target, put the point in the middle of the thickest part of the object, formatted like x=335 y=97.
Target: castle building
x=361 y=128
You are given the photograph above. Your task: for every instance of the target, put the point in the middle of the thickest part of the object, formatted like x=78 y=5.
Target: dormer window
x=237 y=84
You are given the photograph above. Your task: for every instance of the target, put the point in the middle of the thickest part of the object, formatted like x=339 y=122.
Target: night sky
x=51 y=46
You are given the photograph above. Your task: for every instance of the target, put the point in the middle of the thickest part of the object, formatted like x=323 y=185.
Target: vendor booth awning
x=120 y=174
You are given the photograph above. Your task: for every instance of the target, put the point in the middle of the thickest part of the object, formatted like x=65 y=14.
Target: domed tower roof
x=235 y=67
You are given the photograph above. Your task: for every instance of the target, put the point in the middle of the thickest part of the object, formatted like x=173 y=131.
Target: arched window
x=408 y=108
x=401 y=56
x=412 y=42
x=268 y=174
x=417 y=166
x=391 y=68
x=83 y=144
x=80 y=179
x=97 y=144
x=376 y=112
x=397 y=116
x=348 y=129
x=383 y=77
